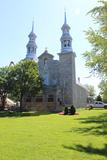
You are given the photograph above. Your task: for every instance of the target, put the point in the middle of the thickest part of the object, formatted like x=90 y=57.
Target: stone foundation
x=46 y=104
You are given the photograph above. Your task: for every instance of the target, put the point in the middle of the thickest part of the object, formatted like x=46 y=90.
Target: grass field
x=55 y=137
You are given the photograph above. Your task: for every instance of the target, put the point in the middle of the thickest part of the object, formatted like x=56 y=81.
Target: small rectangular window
x=28 y=99
x=50 y=98
x=39 y=99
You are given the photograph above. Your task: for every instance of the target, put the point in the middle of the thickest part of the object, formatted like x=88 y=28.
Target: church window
x=69 y=43
x=45 y=61
x=32 y=50
x=65 y=43
x=50 y=98
x=28 y=49
x=28 y=99
x=39 y=99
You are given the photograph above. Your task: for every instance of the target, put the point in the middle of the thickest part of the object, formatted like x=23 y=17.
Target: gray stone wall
x=67 y=75
x=81 y=95
x=52 y=68
x=54 y=72
x=62 y=76
x=46 y=104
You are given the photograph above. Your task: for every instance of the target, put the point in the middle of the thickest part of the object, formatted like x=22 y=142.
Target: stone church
x=59 y=76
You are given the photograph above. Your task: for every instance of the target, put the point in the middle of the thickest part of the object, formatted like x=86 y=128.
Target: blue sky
x=15 y=24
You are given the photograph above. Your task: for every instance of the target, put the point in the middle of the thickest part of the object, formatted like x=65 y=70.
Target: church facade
x=59 y=76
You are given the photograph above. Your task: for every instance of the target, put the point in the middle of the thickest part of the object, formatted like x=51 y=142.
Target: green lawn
x=55 y=137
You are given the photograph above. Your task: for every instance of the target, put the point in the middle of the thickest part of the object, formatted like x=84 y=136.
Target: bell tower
x=31 y=46
x=66 y=39
x=67 y=65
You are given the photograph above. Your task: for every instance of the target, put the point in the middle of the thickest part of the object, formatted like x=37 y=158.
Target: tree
x=96 y=59
x=4 y=86
x=103 y=88
x=23 y=78
x=99 y=98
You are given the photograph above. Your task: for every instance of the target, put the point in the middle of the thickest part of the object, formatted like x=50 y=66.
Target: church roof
x=46 y=54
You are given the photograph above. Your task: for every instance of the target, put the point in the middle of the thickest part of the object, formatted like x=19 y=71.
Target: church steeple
x=33 y=26
x=31 y=46
x=65 y=19
x=66 y=39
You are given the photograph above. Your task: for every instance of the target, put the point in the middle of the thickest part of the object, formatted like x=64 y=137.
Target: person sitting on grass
x=66 y=110
x=72 y=110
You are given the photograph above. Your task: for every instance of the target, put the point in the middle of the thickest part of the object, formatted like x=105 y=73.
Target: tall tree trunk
x=3 y=100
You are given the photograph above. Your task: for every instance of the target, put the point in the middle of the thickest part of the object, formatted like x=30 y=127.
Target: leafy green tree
x=96 y=59
x=4 y=86
x=24 y=80
x=3 y=78
x=103 y=88
x=21 y=79
x=99 y=98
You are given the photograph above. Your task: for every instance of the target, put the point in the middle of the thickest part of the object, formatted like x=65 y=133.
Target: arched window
x=65 y=43
x=45 y=61
x=46 y=72
x=32 y=50
x=28 y=49
x=69 y=44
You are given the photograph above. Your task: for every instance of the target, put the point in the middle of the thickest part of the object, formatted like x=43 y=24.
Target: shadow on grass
x=94 y=119
x=22 y=114
x=88 y=149
x=98 y=125
x=93 y=125
x=100 y=130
